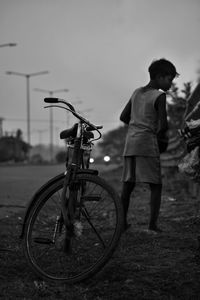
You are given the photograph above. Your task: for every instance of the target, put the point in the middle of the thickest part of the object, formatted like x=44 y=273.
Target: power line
x=28 y=77
x=51 y=120
x=32 y=120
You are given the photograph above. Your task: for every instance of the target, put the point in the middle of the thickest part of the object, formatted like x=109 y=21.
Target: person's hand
x=163 y=141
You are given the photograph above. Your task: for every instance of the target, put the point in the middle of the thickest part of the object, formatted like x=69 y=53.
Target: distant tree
x=13 y=148
x=176 y=107
x=187 y=89
x=113 y=143
x=6 y=149
x=19 y=135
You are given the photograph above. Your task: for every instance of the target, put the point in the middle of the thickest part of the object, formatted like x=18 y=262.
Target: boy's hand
x=163 y=141
x=162 y=135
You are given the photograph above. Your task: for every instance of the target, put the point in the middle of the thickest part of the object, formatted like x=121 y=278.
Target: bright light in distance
x=91 y=160
x=106 y=158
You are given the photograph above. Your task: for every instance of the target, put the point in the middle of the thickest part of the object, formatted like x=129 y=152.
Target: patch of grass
x=144 y=266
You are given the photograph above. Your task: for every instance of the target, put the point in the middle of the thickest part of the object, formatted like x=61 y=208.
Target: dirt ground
x=144 y=265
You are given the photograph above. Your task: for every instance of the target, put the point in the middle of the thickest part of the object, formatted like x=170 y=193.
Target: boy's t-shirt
x=141 y=137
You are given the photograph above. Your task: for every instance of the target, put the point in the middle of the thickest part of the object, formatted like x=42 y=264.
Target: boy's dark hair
x=162 y=67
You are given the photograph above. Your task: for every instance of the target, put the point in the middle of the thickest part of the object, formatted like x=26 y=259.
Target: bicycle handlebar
x=58 y=100
x=72 y=110
x=51 y=100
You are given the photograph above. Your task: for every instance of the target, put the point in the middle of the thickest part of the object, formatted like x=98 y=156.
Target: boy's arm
x=126 y=113
x=160 y=106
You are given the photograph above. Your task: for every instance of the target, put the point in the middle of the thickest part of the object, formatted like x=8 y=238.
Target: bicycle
x=74 y=221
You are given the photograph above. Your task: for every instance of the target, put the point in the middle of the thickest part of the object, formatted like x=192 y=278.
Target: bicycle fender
x=34 y=198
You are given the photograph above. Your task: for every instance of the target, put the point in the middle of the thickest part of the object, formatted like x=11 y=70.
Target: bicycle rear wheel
x=98 y=226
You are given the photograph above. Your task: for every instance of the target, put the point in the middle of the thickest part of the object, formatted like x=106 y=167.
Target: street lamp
x=8 y=45
x=51 y=93
x=27 y=76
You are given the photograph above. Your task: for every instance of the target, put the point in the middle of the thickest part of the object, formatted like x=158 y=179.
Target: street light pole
x=51 y=93
x=28 y=108
x=1 y=119
x=27 y=76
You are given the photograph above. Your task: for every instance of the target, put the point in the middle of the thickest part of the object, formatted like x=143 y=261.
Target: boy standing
x=146 y=116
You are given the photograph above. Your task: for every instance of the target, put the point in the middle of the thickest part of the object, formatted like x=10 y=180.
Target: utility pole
x=27 y=77
x=1 y=127
x=1 y=119
x=51 y=126
x=40 y=133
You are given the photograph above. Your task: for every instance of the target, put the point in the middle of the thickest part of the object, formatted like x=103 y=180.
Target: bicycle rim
x=97 y=229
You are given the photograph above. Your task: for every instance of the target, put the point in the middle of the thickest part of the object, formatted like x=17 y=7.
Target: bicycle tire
x=101 y=210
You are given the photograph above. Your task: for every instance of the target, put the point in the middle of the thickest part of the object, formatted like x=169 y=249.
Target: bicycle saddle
x=69 y=133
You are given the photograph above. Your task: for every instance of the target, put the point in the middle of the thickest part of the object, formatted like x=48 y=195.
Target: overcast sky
x=99 y=49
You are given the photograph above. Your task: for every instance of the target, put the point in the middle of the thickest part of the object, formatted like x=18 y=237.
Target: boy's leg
x=127 y=189
x=155 y=201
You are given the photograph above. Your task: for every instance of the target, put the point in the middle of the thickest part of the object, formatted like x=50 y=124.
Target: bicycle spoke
x=42 y=253
x=93 y=227
x=93 y=239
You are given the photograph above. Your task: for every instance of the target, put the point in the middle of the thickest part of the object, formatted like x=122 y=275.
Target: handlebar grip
x=51 y=100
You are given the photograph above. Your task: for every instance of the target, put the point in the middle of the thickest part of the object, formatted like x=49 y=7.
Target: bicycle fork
x=68 y=205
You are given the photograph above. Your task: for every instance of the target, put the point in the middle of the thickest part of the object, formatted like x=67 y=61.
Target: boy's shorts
x=142 y=169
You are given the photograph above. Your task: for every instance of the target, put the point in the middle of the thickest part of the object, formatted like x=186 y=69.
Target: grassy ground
x=144 y=266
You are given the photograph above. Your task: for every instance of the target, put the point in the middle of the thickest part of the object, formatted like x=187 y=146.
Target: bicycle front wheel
x=98 y=226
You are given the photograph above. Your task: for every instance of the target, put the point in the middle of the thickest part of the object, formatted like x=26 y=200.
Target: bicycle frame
x=74 y=221
x=71 y=169
x=68 y=204
x=70 y=175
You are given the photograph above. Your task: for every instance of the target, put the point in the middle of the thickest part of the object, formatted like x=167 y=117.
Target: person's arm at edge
x=126 y=113
x=160 y=106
